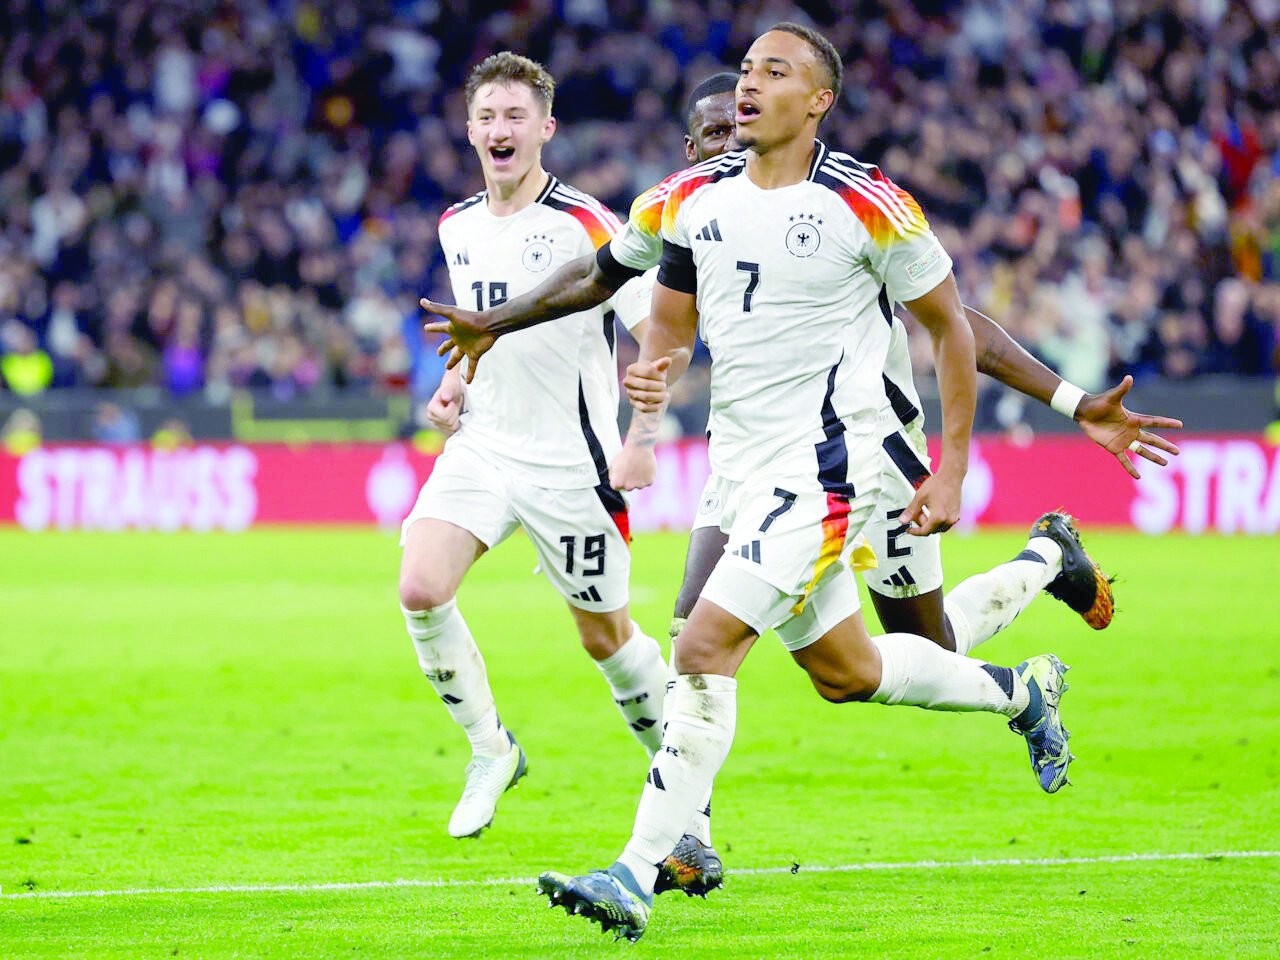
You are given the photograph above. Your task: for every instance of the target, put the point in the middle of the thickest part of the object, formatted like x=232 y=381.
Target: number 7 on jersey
x=753 y=273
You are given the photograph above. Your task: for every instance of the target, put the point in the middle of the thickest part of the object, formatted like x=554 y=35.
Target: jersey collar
x=819 y=154
x=546 y=191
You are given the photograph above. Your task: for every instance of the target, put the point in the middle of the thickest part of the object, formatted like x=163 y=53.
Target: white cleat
x=487 y=779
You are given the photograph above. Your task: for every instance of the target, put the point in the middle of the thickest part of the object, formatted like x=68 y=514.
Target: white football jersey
x=902 y=409
x=638 y=246
x=544 y=400
x=793 y=291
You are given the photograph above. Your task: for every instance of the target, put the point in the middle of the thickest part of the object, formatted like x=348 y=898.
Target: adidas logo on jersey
x=463 y=259
x=710 y=232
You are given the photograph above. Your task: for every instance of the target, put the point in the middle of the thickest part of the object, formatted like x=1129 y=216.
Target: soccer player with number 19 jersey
x=531 y=448
x=781 y=254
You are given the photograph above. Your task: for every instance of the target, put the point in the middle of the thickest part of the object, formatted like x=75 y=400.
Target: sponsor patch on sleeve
x=918 y=268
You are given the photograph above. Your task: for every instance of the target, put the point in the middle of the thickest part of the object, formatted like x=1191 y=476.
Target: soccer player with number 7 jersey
x=782 y=254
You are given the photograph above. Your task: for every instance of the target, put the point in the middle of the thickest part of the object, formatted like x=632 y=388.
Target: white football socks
x=985 y=604
x=637 y=676
x=452 y=663
x=919 y=673
x=700 y=826
x=701 y=715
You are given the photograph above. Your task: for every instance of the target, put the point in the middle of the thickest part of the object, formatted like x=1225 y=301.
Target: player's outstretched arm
x=665 y=352
x=936 y=505
x=1102 y=416
x=578 y=285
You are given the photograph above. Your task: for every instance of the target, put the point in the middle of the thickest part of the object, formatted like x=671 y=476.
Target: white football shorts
x=909 y=566
x=581 y=535
x=792 y=548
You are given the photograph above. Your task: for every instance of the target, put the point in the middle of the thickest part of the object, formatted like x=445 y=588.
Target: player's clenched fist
x=634 y=468
x=936 y=505
x=646 y=384
x=446 y=405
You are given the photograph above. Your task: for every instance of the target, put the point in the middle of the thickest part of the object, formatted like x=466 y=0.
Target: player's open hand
x=935 y=507
x=646 y=384
x=1104 y=419
x=466 y=334
x=634 y=468
x=446 y=406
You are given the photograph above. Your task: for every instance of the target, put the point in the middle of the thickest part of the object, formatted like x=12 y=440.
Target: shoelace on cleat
x=477 y=786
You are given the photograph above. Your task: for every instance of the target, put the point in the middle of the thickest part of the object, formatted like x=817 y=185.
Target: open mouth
x=502 y=154
x=747 y=111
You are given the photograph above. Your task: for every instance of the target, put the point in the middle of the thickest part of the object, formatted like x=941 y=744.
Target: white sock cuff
x=703 y=700
x=429 y=618
x=893 y=669
x=1047 y=550
x=705 y=683
x=632 y=664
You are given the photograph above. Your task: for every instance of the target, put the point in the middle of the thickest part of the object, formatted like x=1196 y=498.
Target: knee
x=421 y=593
x=603 y=636
x=691 y=654
x=849 y=684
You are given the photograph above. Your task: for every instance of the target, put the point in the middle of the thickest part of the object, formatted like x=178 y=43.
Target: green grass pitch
x=183 y=711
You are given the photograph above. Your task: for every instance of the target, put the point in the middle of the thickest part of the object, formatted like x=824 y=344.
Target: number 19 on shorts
x=590 y=563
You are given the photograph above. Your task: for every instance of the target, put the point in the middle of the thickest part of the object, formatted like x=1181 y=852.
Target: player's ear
x=822 y=101
x=548 y=128
x=471 y=134
x=690 y=149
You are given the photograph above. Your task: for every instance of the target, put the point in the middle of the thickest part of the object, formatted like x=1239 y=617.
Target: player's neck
x=507 y=198
x=781 y=165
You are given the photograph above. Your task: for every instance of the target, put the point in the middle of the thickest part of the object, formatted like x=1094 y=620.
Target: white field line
x=748 y=872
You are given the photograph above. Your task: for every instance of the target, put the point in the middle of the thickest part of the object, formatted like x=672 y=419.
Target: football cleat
x=603 y=897
x=1046 y=736
x=487 y=779
x=694 y=868
x=1081 y=585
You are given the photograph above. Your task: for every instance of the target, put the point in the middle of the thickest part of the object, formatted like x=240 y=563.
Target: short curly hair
x=506 y=68
x=823 y=50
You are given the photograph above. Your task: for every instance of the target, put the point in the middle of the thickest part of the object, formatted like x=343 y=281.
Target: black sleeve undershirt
x=676 y=270
x=612 y=269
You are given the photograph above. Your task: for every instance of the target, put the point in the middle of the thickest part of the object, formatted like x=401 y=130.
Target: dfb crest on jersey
x=803 y=236
x=537 y=253
x=710 y=502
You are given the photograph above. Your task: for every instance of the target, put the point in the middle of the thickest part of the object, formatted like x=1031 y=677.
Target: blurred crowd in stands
x=203 y=196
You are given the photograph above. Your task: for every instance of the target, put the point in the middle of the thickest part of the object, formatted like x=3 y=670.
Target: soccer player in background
x=783 y=254
x=533 y=434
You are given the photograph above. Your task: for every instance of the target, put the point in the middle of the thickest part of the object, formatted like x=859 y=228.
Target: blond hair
x=507 y=68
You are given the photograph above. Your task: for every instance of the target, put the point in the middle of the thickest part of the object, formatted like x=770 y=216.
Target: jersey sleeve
x=902 y=251
x=448 y=243
x=631 y=302
x=638 y=244
x=676 y=268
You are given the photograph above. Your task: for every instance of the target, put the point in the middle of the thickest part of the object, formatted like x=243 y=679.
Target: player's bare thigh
x=843 y=664
x=437 y=555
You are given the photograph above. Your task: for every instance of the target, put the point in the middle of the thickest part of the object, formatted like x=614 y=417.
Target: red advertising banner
x=1225 y=483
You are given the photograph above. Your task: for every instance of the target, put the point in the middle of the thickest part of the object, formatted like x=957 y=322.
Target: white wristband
x=1066 y=398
